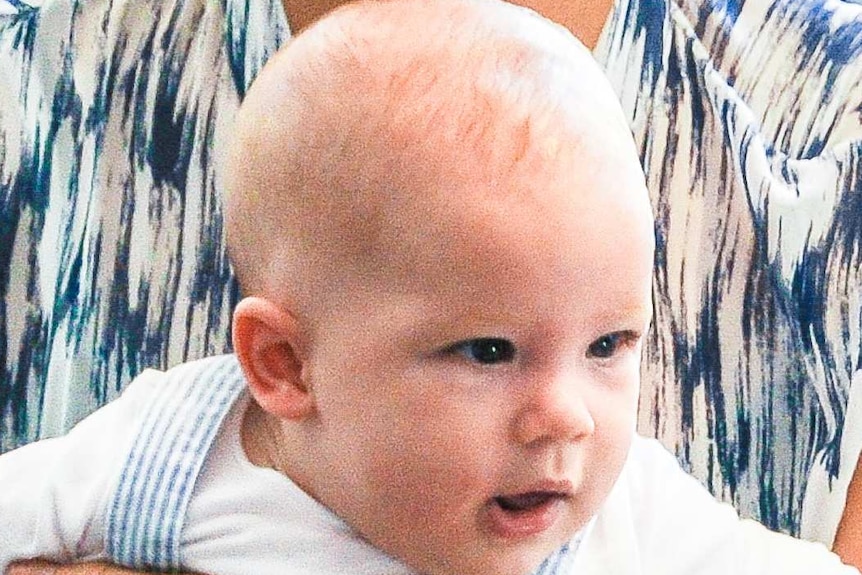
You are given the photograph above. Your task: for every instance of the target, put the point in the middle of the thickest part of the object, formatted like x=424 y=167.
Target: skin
x=488 y=326
x=38 y=567
x=585 y=19
x=444 y=433
x=848 y=539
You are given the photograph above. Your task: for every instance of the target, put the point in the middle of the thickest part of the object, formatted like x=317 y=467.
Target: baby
x=439 y=223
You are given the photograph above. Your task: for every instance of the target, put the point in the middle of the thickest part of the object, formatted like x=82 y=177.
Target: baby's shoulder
x=150 y=383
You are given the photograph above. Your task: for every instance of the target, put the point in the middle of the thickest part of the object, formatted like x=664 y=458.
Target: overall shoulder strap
x=146 y=511
x=562 y=562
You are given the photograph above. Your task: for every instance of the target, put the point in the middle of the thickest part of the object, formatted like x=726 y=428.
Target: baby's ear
x=267 y=342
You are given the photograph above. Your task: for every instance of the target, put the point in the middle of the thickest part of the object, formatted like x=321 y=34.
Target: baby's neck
x=262 y=438
x=268 y=444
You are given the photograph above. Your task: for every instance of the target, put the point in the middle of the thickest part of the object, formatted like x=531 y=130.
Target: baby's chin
x=523 y=562
x=494 y=555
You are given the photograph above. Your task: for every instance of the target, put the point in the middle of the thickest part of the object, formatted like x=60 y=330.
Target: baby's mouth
x=524 y=514
x=525 y=501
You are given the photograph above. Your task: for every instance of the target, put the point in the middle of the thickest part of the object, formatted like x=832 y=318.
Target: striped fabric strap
x=557 y=564
x=562 y=562
x=146 y=512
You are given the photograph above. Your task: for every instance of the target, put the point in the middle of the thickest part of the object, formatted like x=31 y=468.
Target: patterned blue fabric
x=748 y=118
x=148 y=508
x=113 y=117
x=113 y=121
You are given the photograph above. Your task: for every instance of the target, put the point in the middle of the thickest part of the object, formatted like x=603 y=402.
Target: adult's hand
x=38 y=567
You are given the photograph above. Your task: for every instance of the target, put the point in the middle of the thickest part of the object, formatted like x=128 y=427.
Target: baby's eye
x=486 y=350
x=608 y=345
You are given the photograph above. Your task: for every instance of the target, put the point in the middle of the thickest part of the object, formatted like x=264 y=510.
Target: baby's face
x=477 y=388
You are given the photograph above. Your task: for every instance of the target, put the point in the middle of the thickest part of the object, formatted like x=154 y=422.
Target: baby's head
x=439 y=220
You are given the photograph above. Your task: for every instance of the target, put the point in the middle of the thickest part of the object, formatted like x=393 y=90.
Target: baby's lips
x=525 y=514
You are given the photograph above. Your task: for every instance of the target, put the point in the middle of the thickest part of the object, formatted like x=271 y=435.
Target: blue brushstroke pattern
x=112 y=256
x=750 y=137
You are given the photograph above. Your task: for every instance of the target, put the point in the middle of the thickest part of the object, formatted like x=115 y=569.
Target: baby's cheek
x=427 y=493
x=616 y=422
x=616 y=407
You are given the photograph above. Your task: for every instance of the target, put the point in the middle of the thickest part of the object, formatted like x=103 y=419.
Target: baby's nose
x=555 y=411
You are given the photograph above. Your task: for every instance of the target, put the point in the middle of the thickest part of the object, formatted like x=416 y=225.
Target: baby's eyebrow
x=628 y=317
x=452 y=327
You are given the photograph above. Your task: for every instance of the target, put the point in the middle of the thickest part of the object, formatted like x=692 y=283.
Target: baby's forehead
x=354 y=123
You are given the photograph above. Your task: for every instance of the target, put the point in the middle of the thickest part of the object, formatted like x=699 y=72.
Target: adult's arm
x=848 y=539
x=39 y=567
